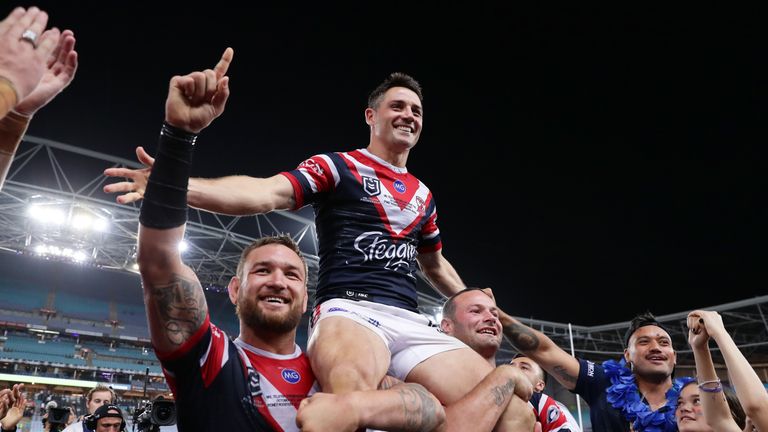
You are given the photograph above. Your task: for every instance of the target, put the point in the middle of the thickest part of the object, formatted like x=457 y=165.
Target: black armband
x=165 y=200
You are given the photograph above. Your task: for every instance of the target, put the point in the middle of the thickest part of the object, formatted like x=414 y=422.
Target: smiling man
x=632 y=394
x=472 y=317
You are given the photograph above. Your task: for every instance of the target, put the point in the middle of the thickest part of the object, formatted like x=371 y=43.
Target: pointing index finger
x=223 y=65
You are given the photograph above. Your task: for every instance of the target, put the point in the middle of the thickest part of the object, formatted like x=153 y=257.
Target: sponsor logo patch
x=399 y=186
x=290 y=376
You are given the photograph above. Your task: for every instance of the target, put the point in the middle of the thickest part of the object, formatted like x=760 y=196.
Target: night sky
x=577 y=155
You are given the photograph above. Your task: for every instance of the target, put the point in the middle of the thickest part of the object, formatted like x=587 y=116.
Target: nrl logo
x=371 y=186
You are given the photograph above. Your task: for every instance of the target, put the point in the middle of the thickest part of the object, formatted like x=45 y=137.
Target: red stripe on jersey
x=317 y=168
x=298 y=193
x=214 y=359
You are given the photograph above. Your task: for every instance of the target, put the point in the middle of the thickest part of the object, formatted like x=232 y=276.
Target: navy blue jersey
x=227 y=385
x=591 y=386
x=372 y=219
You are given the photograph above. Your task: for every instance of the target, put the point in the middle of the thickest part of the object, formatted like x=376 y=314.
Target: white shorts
x=410 y=337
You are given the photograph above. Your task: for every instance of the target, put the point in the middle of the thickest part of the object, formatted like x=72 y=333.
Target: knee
x=344 y=378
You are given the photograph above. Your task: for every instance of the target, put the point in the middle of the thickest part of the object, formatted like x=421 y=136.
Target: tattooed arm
x=542 y=350
x=173 y=296
x=398 y=407
x=491 y=402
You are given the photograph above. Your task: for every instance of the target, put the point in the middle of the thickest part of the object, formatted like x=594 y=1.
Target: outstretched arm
x=542 y=350
x=176 y=306
x=749 y=388
x=440 y=273
x=716 y=411
x=231 y=195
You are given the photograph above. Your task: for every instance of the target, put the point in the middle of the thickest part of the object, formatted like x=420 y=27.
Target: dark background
x=579 y=156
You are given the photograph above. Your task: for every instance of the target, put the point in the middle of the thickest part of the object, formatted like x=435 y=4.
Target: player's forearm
x=238 y=195
x=487 y=402
x=403 y=407
x=441 y=274
x=542 y=350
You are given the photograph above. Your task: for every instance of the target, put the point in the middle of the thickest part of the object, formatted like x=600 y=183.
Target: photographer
x=107 y=418
x=96 y=397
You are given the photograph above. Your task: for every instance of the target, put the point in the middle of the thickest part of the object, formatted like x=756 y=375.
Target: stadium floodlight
x=46 y=214
x=183 y=246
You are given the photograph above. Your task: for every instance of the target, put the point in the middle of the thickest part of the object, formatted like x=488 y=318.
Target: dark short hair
x=282 y=239
x=395 y=79
x=642 y=320
x=449 y=307
x=544 y=374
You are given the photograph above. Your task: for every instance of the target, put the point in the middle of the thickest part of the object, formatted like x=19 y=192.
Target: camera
x=57 y=417
x=152 y=415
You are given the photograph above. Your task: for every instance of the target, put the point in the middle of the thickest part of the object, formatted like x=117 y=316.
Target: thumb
x=144 y=157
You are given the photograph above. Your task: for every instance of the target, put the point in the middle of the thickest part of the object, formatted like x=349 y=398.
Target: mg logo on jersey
x=399 y=186
x=290 y=376
x=371 y=186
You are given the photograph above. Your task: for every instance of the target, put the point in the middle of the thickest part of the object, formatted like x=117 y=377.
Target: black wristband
x=177 y=134
x=165 y=200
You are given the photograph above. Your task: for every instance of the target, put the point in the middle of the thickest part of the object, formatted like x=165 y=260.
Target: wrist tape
x=165 y=200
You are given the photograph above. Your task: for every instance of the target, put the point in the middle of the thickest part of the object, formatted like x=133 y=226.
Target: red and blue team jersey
x=552 y=415
x=372 y=219
x=221 y=384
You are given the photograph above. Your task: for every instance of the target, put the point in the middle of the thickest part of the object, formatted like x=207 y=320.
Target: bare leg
x=346 y=356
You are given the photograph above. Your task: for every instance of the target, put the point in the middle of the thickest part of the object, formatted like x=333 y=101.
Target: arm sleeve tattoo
x=522 y=337
x=419 y=407
x=180 y=306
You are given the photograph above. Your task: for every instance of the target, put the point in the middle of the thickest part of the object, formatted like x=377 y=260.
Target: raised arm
x=542 y=350
x=25 y=50
x=749 y=388
x=176 y=306
x=59 y=72
x=716 y=411
x=440 y=273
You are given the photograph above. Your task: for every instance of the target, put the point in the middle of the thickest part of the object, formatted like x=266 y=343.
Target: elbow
x=155 y=262
x=754 y=407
